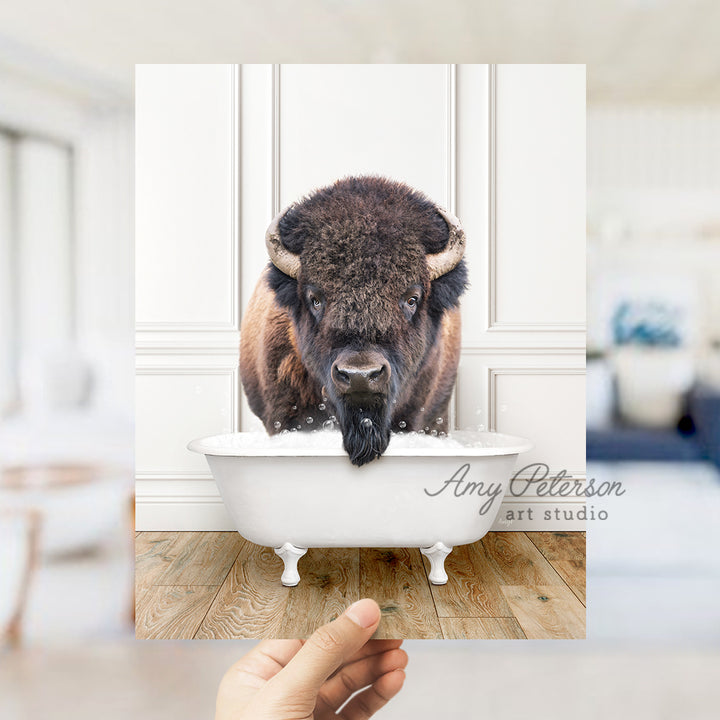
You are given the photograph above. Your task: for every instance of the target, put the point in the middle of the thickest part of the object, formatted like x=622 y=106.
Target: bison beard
x=364 y=441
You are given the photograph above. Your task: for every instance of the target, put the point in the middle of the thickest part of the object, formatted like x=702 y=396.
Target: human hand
x=312 y=679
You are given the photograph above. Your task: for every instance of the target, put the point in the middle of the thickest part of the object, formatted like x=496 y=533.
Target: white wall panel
x=538 y=248
x=538 y=395
x=174 y=406
x=473 y=176
x=185 y=271
x=259 y=175
x=543 y=404
x=338 y=120
x=258 y=171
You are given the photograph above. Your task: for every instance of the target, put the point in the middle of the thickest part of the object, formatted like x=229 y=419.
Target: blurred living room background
x=66 y=345
x=66 y=361
x=653 y=366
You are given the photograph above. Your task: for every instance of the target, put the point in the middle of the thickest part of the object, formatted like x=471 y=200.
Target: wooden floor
x=217 y=585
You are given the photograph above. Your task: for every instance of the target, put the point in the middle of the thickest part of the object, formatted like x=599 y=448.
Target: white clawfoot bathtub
x=310 y=495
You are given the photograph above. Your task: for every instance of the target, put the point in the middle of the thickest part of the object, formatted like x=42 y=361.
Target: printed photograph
x=354 y=377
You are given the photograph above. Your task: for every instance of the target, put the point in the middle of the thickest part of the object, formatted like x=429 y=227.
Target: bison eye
x=315 y=301
x=410 y=301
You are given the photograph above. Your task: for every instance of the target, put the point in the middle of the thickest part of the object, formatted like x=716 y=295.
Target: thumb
x=327 y=649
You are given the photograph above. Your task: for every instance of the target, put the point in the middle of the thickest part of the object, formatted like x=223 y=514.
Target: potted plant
x=654 y=367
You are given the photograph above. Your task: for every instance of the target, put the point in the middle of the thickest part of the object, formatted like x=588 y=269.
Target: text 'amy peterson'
x=560 y=485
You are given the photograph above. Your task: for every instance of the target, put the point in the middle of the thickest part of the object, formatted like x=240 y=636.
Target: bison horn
x=443 y=262
x=284 y=260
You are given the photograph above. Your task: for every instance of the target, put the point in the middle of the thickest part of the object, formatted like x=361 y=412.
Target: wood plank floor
x=509 y=585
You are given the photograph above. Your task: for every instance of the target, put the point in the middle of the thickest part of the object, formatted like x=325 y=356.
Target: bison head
x=367 y=268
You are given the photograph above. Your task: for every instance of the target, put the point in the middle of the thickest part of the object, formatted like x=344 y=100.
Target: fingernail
x=364 y=613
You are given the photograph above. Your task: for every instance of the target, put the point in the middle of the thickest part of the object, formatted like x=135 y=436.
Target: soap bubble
x=328 y=425
x=277 y=424
x=402 y=424
x=321 y=406
x=284 y=432
x=434 y=433
x=294 y=407
x=366 y=422
x=438 y=421
x=422 y=409
x=309 y=420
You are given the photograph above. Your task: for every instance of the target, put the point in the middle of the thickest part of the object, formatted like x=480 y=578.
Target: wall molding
x=495 y=372
x=492 y=201
x=171 y=513
x=172 y=475
x=161 y=368
x=573 y=350
x=503 y=326
x=451 y=191
x=165 y=327
x=181 y=512
x=275 y=170
x=165 y=370
x=234 y=236
x=494 y=325
x=175 y=498
x=221 y=343
x=451 y=137
x=185 y=349
x=179 y=498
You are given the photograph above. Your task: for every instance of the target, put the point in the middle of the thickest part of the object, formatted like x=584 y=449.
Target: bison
x=356 y=319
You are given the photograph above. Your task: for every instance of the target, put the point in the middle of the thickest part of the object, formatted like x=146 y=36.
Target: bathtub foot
x=290 y=556
x=437 y=554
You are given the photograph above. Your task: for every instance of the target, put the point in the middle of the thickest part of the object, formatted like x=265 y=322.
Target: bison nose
x=361 y=373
